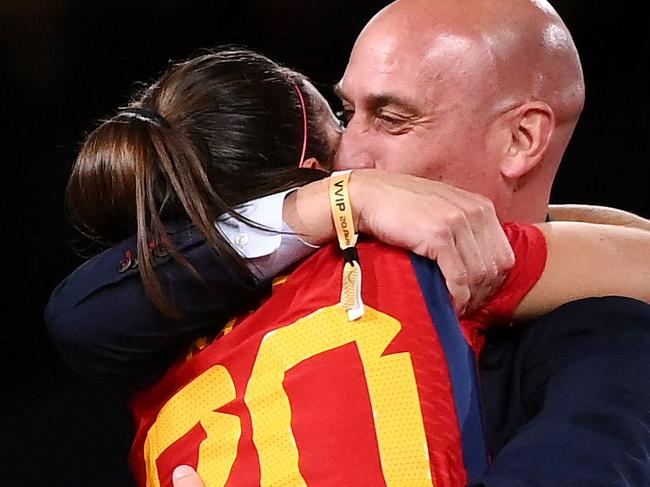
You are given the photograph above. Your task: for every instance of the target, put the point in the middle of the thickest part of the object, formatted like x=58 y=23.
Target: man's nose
x=352 y=153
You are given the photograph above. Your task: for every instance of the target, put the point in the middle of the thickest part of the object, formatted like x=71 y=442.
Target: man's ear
x=531 y=126
x=312 y=163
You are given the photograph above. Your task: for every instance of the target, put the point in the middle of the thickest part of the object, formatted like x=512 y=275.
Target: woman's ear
x=312 y=163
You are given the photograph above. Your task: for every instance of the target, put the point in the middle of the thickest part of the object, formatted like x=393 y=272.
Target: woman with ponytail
x=212 y=134
x=191 y=147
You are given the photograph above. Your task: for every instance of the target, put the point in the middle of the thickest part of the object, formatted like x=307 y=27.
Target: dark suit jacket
x=106 y=328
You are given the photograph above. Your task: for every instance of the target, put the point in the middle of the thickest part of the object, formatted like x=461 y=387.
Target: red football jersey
x=295 y=394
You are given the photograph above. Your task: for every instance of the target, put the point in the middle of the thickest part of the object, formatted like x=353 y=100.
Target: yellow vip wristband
x=342 y=209
x=346 y=233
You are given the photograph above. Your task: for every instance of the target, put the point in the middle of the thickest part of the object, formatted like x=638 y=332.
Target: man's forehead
x=378 y=67
x=399 y=66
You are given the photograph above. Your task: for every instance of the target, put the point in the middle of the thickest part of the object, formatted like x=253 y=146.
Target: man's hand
x=458 y=229
x=186 y=476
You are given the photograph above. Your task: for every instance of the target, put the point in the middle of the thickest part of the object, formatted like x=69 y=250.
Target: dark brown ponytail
x=213 y=132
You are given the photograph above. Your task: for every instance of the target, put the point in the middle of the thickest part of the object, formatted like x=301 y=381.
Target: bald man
x=485 y=95
x=480 y=94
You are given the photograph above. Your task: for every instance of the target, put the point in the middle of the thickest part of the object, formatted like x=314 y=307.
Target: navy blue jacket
x=108 y=330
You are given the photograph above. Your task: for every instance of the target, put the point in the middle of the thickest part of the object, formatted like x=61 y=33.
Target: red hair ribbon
x=304 y=122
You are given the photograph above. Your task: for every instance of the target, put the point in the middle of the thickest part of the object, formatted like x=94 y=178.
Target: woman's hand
x=186 y=476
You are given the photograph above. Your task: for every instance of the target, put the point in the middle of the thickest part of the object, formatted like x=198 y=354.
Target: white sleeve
x=271 y=248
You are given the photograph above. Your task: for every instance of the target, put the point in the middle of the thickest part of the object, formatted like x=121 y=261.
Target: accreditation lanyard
x=347 y=237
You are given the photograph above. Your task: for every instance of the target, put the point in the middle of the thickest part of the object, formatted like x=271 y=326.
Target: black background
x=69 y=62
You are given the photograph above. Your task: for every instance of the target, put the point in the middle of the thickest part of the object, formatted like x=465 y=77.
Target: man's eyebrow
x=382 y=100
x=387 y=99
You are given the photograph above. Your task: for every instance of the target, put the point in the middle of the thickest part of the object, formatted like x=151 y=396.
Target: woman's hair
x=214 y=131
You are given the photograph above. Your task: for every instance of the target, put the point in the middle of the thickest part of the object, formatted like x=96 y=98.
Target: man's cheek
x=398 y=155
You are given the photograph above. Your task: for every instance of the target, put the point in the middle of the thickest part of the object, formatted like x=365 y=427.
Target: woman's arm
x=597 y=214
x=589 y=260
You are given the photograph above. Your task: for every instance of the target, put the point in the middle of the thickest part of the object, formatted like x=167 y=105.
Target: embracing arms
x=106 y=328
x=589 y=260
x=597 y=214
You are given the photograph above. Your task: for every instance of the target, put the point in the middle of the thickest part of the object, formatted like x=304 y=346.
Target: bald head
x=483 y=94
x=516 y=49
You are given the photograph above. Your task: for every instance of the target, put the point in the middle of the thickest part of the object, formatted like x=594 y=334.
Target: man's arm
x=456 y=228
x=106 y=327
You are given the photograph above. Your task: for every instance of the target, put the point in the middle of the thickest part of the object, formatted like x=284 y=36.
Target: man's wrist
x=287 y=208
x=361 y=186
x=306 y=211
